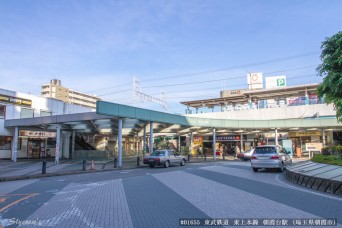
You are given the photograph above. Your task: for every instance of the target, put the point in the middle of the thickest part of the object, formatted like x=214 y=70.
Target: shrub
x=327 y=150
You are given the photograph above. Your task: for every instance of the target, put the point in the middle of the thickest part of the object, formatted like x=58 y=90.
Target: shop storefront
x=300 y=139
x=37 y=144
x=227 y=143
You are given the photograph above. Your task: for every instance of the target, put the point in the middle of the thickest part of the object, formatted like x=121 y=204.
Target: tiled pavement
x=221 y=190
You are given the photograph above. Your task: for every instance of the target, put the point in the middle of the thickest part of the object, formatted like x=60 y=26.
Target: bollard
x=84 y=165
x=205 y=157
x=188 y=157
x=44 y=167
x=138 y=161
x=115 y=162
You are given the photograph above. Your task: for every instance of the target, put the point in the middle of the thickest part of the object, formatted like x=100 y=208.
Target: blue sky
x=99 y=46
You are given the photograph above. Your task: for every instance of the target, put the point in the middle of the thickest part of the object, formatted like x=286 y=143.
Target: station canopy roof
x=134 y=120
x=255 y=95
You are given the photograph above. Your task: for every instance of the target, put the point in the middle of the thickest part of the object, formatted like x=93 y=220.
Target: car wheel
x=182 y=162
x=281 y=169
x=167 y=164
x=151 y=166
x=255 y=169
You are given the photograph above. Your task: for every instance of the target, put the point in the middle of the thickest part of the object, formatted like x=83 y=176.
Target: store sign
x=15 y=100
x=230 y=93
x=230 y=138
x=275 y=82
x=313 y=146
x=198 y=139
x=43 y=134
x=255 y=81
x=303 y=134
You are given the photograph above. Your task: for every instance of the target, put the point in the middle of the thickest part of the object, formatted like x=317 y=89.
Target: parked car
x=245 y=156
x=164 y=158
x=270 y=156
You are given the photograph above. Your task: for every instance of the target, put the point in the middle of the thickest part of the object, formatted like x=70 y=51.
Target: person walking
x=237 y=151
x=199 y=152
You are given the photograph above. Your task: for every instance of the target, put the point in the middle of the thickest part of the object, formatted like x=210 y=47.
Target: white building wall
x=285 y=112
x=56 y=107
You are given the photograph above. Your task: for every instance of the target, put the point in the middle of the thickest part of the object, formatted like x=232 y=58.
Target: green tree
x=331 y=69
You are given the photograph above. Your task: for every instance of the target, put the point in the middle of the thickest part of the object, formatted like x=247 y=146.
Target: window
x=26 y=113
x=2 y=111
x=51 y=143
x=5 y=142
x=45 y=113
x=265 y=150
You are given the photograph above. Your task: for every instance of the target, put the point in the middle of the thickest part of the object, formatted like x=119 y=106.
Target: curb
x=14 y=178
x=34 y=176
x=313 y=182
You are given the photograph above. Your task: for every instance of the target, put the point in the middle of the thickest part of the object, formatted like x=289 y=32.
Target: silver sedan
x=164 y=158
x=270 y=156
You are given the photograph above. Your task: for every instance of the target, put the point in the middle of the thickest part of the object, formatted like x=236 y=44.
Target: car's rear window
x=158 y=153
x=265 y=150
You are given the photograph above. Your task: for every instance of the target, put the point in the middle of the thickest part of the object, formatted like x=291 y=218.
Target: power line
x=220 y=70
x=222 y=79
x=212 y=88
x=235 y=67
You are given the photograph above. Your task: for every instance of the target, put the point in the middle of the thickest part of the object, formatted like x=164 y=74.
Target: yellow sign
x=305 y=133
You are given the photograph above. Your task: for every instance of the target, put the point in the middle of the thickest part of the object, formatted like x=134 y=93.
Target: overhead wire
x=218 y=70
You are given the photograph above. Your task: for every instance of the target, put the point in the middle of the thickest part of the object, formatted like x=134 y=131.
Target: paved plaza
x=159 y=197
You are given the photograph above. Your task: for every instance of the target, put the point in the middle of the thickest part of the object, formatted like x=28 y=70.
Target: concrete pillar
x=191 y=141
x=178 y=144
x=15 y=144
x=120 y=142
x=73 y=136
x=144 y=141
x=323 y=137
x=58 y=143
x=250 y=104
x=276 y=136
x=241 y=142
x=151 y=138
x=214 y=143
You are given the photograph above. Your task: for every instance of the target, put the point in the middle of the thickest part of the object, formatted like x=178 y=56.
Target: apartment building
x=57 y=91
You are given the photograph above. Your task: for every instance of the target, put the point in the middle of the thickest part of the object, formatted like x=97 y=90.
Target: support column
x=58 y=143
x=250 y=104
x=214 y=143
x=151 y=138
x=323 y=137
x=73 y=144
x=144 y=141
x=178 y=144
x=120 y=142
x=276 y=136
x=241 y=142
x=191 y=139
x=15 y=144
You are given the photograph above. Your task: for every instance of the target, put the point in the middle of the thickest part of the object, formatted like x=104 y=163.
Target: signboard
x=275 y=82
x=230 y=138
x=313 y=146
x=255 y=81
x=304 y=134
x=41 y=134
x=15 y=100
x=230 y=93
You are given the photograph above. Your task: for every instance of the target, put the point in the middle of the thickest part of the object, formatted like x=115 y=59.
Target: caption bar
x=257 y=222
